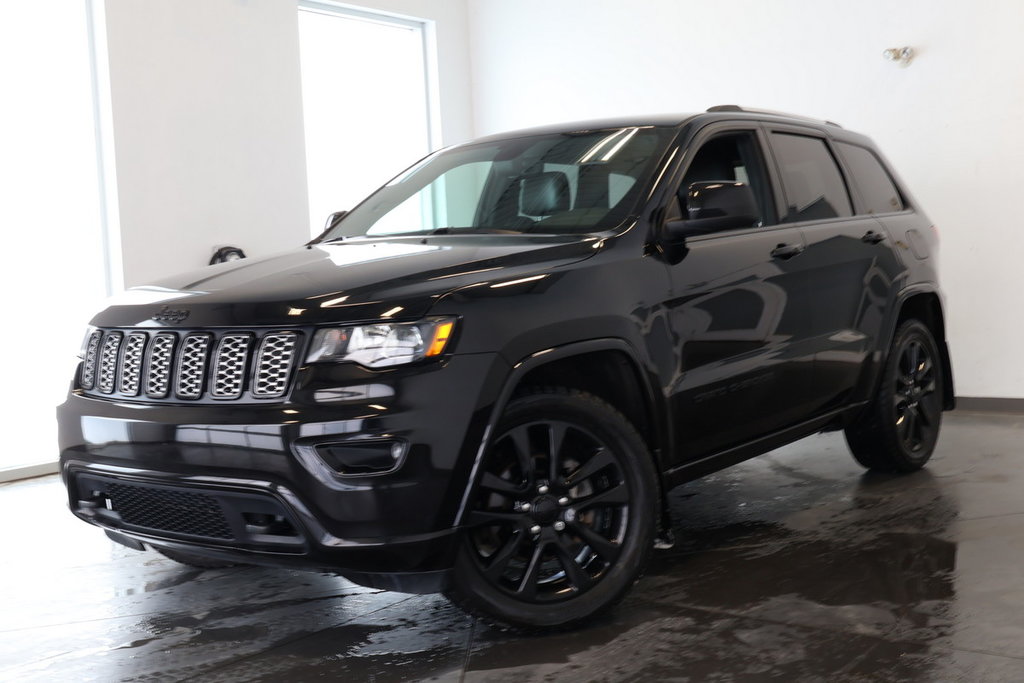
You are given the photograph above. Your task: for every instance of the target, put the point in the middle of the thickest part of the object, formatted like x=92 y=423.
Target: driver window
x=732 y=158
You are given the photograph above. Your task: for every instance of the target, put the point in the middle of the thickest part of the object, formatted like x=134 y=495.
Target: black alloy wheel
x=917 y=409
x=899 y=430
x=562 y=516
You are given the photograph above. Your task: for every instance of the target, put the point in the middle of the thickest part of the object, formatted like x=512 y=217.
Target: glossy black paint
x=725 y=345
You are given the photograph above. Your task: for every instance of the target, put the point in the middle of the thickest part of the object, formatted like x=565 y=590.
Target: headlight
x=382 y=344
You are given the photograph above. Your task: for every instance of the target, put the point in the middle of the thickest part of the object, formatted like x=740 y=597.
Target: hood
x=356 y=280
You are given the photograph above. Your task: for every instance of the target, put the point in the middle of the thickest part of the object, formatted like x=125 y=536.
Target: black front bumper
x=244 y=482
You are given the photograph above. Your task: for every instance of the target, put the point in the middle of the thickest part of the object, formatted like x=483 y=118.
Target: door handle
x=786 y=251
x=872 y=237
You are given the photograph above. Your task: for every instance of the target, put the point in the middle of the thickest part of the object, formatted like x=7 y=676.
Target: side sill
x=737 y=454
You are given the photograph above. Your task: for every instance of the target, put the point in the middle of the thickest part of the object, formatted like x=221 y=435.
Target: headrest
x=544 y=194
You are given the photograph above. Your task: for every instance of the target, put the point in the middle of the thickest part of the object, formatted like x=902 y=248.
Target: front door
x=736 y=313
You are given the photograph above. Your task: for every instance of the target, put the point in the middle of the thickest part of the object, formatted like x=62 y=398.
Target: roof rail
x=749 y=110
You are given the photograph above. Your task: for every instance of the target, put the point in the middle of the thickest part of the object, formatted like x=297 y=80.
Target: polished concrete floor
x=795 y=566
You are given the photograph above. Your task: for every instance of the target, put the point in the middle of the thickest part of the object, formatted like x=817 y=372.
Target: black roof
x=729 y=112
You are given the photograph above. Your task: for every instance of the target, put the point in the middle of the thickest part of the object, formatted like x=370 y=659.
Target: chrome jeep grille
x=189 y=365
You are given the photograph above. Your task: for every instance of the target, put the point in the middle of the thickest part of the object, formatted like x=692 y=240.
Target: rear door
x=848 y=263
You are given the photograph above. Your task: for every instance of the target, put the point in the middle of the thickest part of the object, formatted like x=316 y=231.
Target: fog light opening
x=263 y=524
x=355 y=459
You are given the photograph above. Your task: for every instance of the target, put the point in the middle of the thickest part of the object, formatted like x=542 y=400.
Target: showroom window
x=56 y=271
x=366 y=102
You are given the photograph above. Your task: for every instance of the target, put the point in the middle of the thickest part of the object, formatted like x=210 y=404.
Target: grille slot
x=181 y=512
x=274 y=363
x=108 y=361
x=229 y=364
x=92 y=349
x=192 y=366
x=131 y=363
x=158 y=374
x=189 y=365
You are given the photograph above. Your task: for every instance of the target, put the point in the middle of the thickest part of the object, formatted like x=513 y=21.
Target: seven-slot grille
x=189 y=365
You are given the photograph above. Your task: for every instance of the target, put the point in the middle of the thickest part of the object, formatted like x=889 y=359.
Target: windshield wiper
x=471 y=229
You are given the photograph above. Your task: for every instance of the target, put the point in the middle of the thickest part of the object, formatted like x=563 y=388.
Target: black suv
x=484 y=378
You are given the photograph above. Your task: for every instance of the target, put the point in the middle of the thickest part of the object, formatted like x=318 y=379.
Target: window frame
x=844 y=174
x=861 y=203
x=693 y=143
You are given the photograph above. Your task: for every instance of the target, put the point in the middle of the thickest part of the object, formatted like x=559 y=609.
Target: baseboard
x=984 y=404
x=27 y=472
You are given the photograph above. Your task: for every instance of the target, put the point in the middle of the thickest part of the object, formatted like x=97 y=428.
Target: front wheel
x=562 y=516
x=899 y=429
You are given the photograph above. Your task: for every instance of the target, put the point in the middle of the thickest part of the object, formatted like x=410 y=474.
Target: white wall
x=952 y=122
x=205 y=97
x=207 y=124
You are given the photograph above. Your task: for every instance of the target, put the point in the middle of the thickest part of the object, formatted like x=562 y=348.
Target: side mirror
x=716 y=205
x=332 y=221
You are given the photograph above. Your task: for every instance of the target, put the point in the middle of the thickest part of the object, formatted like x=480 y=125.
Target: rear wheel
x=899 y=429
x=562 y=517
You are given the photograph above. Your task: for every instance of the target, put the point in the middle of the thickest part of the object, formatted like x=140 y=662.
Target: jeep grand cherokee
x=484 y=378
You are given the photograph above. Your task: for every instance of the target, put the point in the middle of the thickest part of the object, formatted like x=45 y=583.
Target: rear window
x=877 y=190
x=813 y=183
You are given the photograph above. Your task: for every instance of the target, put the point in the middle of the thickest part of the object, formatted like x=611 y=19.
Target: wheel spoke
x=601 y=459
x=576 y=575
x=501 y=558
x=556 y=436
x=615 y=495
x=494 y=518
x=527 y=587
x=521 y=440
x=913 y=352
x=902 y=421
x=924 y=420
x=493 y=482
x=912 y=432
x=928 y=410
x=605 y=549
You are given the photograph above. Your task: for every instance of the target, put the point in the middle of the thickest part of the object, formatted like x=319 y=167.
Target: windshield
x=576 y=182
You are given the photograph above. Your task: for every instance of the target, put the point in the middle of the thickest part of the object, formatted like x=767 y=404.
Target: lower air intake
x=180 y=512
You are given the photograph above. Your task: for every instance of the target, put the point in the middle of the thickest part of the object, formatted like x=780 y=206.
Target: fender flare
x=949 y=395
x=543 y=357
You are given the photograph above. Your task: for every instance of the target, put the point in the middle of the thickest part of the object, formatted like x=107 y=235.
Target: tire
x=562 y=517
x=899 y=429
x=191 y=560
